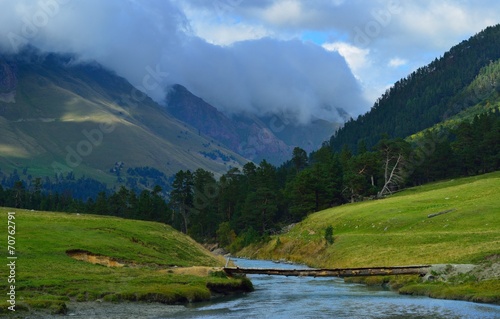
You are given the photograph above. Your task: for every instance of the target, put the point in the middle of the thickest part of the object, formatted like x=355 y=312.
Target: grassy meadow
x=397 y=231
x=149 y=257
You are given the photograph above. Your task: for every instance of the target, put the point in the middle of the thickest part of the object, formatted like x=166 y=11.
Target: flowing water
x=308 y=297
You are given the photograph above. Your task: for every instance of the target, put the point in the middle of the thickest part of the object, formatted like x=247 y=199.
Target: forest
x=451 y=107
x=429 y=95
x=247 y=205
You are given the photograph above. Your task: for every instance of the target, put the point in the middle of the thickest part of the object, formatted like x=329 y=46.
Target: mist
x=152 y=45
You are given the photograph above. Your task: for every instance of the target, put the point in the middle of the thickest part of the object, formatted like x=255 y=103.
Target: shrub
x=329 y=234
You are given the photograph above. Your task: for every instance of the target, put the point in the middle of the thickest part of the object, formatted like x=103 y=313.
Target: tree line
x=248 y=204
x=145 y=205
x=245 y=205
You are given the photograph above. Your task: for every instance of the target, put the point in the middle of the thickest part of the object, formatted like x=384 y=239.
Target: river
x=307 y=297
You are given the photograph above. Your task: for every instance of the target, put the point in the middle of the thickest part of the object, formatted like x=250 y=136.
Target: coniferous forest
x=443 y=121
x=427 y=96
x=244 y=206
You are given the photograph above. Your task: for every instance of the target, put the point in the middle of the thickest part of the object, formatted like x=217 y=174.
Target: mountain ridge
x=65 y=116
x=426 y=96
x=269 y=137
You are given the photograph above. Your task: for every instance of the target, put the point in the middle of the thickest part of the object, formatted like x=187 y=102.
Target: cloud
x=288 y=13
x=125 y=36
x=215 y=22
x=357 y=58
x=271 y=76
x=253 y=56
x=138 y=39
x=397 y=62
x=413 y=30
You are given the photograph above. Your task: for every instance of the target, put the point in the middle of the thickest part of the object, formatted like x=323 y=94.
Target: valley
x=118 y=190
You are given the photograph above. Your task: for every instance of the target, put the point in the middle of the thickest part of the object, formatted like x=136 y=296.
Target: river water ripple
x=307 y=297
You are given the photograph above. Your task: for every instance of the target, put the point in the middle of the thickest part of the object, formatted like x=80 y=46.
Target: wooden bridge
x=336 y=272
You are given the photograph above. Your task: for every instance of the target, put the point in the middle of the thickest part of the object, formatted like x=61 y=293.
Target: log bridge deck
x=337 y=272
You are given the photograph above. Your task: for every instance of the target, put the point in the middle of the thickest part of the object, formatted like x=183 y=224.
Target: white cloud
x=227 y=34
x=270 y=76
x=357 y=58
x=418 y=30
x=240 y=44
x=397 y=62
x=157 y=39
x=219 y=23
x=436 y=26
x=284 y=12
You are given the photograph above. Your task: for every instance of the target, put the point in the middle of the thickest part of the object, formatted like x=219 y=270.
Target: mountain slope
x=62 y=116
x=427 y=96
x=398 y=230
x=450 y=222
x=269 y=137
x=482 y=96
x=193 y=110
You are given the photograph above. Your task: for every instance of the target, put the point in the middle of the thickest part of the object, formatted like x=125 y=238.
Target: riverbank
x=104 y=310
x=476 y=283
x=62 y=260
x=135 y=304
x=282 y=297
x=449 y=222
x=467 y=282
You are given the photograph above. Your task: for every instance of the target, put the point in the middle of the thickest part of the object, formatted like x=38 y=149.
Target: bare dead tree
x=394 y=156
x=392 y=178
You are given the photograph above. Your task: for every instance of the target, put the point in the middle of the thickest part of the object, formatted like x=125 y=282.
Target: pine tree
x=181 y=197
x=299 y=159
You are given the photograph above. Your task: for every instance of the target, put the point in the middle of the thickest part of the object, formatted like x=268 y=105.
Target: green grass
x=397 y=231
x=53 y=107
x=485 y=291
x=47 y=277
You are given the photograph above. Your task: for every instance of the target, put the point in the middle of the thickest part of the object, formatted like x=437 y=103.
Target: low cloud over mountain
x=153 y=45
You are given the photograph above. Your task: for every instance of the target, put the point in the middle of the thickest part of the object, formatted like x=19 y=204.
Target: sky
x=295 y=58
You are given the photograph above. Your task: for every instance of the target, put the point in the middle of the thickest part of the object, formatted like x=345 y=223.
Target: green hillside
x=397 y=230
x=427 y=96
x=135 y=261
x=83 y=118
x=479 y=97
x=450 y=222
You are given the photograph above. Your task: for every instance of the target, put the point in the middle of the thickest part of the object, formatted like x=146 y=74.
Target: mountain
x=429 y=95
x=269 y=137
x=59 y=116
x=483 y=94
x=193 y=110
